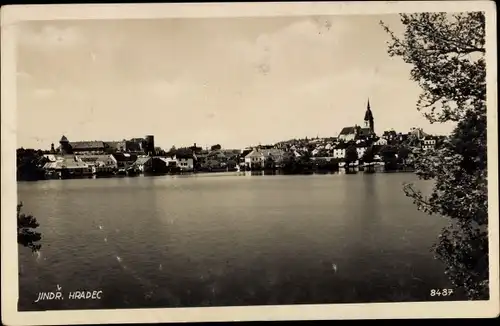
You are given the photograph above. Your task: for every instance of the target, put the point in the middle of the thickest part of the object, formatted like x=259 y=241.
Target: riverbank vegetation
x=26 y=234
x=30 y=164
x=447 y=57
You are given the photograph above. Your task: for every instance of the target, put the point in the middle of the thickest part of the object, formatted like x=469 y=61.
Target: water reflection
x=370 y=187
x=371 y=203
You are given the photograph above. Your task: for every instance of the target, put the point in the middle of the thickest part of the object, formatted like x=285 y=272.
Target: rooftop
x=142 y=160
x=347 y=131
x=124 y=157
x=87 y=144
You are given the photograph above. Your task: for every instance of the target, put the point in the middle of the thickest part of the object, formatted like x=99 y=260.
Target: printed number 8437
x=441 y=292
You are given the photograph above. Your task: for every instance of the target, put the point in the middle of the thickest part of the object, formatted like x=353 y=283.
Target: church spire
x=369 y=123
x=368 y=113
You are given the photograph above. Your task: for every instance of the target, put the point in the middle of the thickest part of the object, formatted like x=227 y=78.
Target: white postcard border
x=10 y=15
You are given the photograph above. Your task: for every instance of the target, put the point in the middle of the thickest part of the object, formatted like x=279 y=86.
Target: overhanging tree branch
x=454 y=90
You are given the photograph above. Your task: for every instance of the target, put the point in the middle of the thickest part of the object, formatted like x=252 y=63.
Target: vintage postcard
x=249 y=162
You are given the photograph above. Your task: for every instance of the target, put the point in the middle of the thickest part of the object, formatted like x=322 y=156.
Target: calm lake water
x=229 y=239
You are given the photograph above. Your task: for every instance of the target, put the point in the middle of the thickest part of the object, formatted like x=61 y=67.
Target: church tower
x=369 y=123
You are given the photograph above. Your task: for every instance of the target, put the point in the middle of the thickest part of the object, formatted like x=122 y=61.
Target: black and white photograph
x=249 y=161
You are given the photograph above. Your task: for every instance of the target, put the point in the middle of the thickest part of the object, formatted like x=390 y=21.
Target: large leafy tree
x=446 y=52
x=289 y=163
x=403 y=153
x=269 y=163
x=29 y=164
x=388 y=153
x=369 y=155
x=351 y=154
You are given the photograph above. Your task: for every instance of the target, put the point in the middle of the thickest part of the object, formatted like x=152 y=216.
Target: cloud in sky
x=233 y=81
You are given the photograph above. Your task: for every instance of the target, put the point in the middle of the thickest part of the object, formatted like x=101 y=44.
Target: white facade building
x=339 y=153
x=185 y=163
x=428 y=143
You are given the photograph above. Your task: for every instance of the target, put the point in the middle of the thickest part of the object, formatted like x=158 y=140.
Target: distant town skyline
x=230 y=81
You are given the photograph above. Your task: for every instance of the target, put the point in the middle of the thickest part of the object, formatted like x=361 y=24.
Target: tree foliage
x=26 y=236
x=290 y=164
x=323 y=165
x=231 y=164
x=161 y=152
x=388 y=154
x=29 y=163
x=351 y=154
x=270 y=163
x=305 y=157
x=184 y=152
x=288 y=159
x=215 y=147
x=403 y=153
x=369 y=155
x=447 y=55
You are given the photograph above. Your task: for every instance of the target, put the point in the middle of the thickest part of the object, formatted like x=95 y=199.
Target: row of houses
x=95 y=164
x=336 y=146
x=140 y=154
x=258 y=157
x=190 y=160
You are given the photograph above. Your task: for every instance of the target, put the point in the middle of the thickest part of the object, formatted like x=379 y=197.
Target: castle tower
x=150 y=145
x=369 y=123
x=65 y=147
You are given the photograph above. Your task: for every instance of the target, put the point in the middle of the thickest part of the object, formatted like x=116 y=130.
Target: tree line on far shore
x=30 y=162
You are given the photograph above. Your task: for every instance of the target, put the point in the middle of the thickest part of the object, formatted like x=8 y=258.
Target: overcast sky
x=232 y=81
